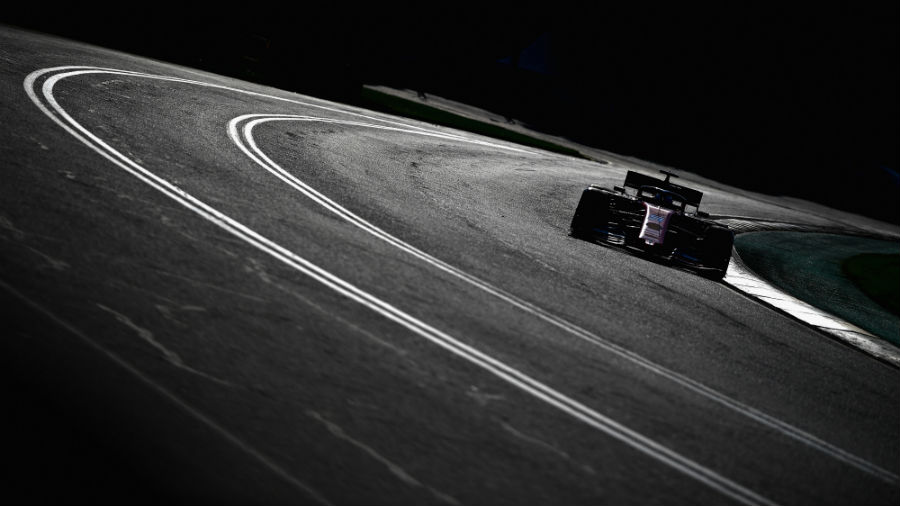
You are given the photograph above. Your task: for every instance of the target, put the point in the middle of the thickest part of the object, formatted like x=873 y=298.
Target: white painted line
x=740 y=277
x=84 y=70
x=241 y=131
x=47 y=103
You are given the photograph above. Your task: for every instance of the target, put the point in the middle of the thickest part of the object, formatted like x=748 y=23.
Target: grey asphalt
x=152 y=356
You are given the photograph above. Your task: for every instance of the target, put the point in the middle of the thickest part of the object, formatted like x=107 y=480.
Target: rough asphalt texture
x=223 y=354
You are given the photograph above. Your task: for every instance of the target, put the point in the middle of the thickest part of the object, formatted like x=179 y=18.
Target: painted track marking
x=240 y=130
x=491 y=365
x=251 y=237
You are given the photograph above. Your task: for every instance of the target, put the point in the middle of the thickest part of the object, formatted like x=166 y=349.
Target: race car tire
x=716 y=254
x=592 y=212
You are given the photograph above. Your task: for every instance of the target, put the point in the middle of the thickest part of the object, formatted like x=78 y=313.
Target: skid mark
x=395 y=469
x=483 y=398
x=9 y=226
x=170 y=356
x=255 y=267
x=211 y=286
x=54 y=263
x=545 y=446
x=169 y=313
x=365 y=333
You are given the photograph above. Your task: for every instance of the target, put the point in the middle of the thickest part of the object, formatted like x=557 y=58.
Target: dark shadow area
x=56 y=450
x=79 y=428
x=878 y=276
x=798 y=101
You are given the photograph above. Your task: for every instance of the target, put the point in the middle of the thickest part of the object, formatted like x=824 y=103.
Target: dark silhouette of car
x=655 y=218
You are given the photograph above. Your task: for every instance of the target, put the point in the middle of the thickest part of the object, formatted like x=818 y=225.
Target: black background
x=798 y=101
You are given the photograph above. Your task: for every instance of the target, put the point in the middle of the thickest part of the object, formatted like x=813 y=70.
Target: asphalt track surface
x=243 y=295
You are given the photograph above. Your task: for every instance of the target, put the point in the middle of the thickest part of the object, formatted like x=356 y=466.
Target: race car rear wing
x=636 y=180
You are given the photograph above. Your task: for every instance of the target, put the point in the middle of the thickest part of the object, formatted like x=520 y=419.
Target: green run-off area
x=852 y=278
x=878 y=276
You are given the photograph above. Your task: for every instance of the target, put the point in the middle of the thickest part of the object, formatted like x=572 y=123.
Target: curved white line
x=243 y=137
x=512 y=376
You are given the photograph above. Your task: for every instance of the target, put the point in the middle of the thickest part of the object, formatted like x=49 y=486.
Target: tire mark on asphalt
x=545 y=446
x=170 y=356
x=203 y=284
x=9 y=226
x=256 y=268
x=394 y=468
x=484 y=398
x=53 y=263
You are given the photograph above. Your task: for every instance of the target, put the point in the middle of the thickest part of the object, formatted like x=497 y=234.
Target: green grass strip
x=391 y=104
x=878 y=276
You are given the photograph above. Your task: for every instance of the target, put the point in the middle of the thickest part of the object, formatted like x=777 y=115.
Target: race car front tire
x=592 y=212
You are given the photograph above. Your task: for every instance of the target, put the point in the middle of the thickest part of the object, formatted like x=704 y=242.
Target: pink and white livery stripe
x=656 y=222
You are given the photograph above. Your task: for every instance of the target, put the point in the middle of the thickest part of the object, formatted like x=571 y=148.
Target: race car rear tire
x=717 y=245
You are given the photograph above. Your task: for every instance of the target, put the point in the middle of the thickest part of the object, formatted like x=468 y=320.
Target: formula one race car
x=655 y=218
